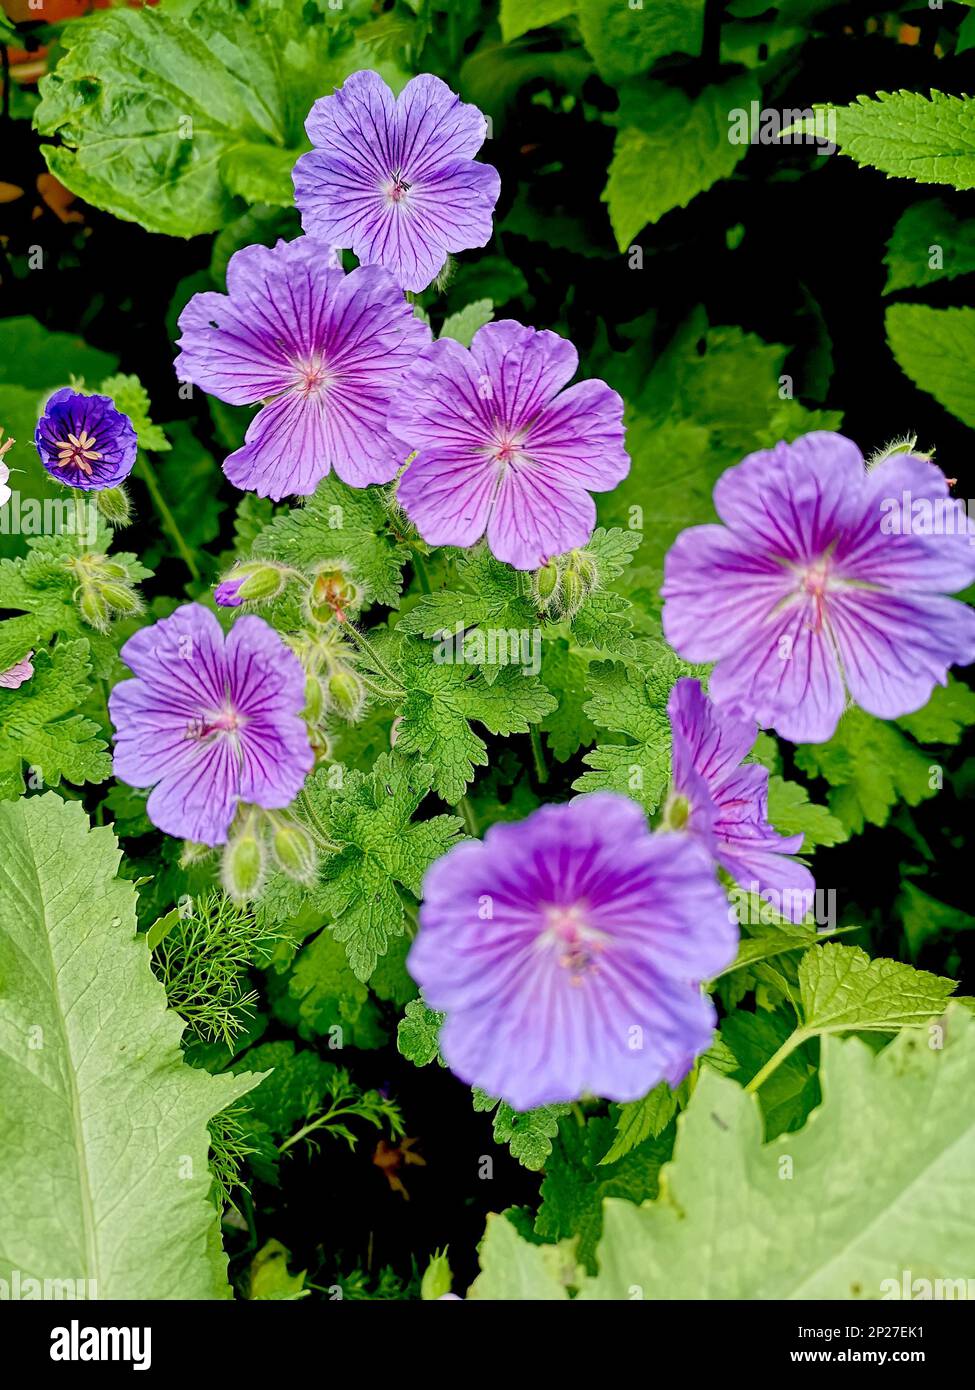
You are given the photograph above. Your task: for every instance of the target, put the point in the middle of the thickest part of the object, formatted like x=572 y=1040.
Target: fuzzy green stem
x=364 y=645
x=146 y=472
x=420 y=570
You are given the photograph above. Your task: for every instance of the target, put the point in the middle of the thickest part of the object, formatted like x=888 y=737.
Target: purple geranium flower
x=395 y=179
x=810 y=585
x=324 y=349
x=567 y=950
x=502 y=449
x=725 y=804
x=225 y=594
x=209 y=722
x=84 y=441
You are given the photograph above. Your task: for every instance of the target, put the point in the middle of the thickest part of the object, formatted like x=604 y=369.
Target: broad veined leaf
x=670 y=148
x=103 y=1152
x=934 y=347
x=626 y=40
x=169 y=119
x=838 y=1209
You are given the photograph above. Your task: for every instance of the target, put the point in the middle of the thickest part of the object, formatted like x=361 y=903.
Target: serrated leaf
x=370 y=817
x=928 y=243
x=40 y=726
x=577 y=1180
x=418 y=1034
x=907 y=135
x=842 y=989
x=946 y=716
x=103 y=1156
x=341 y=523
x=870 y=765
x=634 y=703
x=791 y=812
x=442 y=697
x=638 y=1120
x=527 y=1133
x=625 y=40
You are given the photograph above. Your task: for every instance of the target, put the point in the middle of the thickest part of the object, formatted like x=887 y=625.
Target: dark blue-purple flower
x=84 y=441
x=566 y=951
x=395 y=179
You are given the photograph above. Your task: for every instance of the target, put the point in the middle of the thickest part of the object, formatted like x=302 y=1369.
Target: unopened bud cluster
x=259 y=839
x=102 y=589
x=561 y=587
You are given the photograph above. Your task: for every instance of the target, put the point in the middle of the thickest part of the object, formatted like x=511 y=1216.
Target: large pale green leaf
x=103 y=1147
x=830 y=1211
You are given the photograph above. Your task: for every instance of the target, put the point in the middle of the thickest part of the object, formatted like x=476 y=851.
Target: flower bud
x=121 y=598
x=321 y=745
x=242 y=867
x=314 y=699
x=193 y=853
x=114 y=505
x=345 y=694
x=573 y=595
x=294 y=852
x=93 y=608
x=260 y=581
x=546 y=586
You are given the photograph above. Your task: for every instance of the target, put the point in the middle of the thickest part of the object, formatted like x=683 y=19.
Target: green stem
x=319 y=831
x=465 y=810
x=305 y=1130
x=393 y=696
x=420 y=570
x=793 y=1041
x=364 y=645
x=146 y=472
x=538 y=753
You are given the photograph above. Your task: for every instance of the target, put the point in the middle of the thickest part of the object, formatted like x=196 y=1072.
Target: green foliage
x=173 y=118
x=870 y=765
x=669 y=149
x=100 y=1110
x=929 y=243
x=633 y=702
x=341 y=523
x=443 y=697
x=379 y=849
x=39 y=725
x=934 y=347
x=726 y=1225
x=930 y=139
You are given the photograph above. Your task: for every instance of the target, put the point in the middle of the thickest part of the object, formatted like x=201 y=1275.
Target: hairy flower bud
x=114 y=505
x=260 y=581
x=546 y=586
x=294 y=852
x=314 y=699
x=93 y=608
x=121 y=598
x=345 y=694
x=242 y=866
